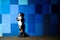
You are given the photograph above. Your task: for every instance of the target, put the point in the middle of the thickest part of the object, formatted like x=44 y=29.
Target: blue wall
x=40 y=19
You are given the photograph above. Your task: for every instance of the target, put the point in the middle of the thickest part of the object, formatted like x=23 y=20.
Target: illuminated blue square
x=5 y=6
x=0 y=9
x=13 y=1
x=6 y=28
x=27 y=9
x=23 y=2
x=0 y=18
x=13 y=13
x=31 y=27
x=14 y=30
x=46 y=9
x=14 y=9
x=46 y=1
x=31 y=2
x=38 y=9
x=5 y=18
x=26 y=27
x=13 y=18
x=0 y=2
x=1 y=34
x=31 y=18
x=54 y=19
x=39 y=29
x=38 y=18
x=5 y=2
x=5 y=9
x=1 y=28
x=26 y=18
x=38 y=1
x=54 y=1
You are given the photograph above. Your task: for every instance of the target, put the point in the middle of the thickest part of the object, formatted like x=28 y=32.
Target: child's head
x=21 y=14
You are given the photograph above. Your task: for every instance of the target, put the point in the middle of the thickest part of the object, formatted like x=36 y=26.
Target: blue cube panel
x=5 y=18
x=54 y=1
x=38 y=18
x=38 y=9
x=0 y=28
x=31 y=23
x=31 y=18
x=23 y=2
x=46 y=1
x=0 y=18
x=54 y=9
x=1 y=34
x=54 y=19
x=13 y=18
x=26 y=27
x=46 y=24
x=5 y=2
x=26 y=18
x=0 y=9
x=39 y=2
x=13 y=1
x=39 y=29
x=31 y=2
x=0 y=2
x=27 y=9
x=54 y=30
x=14 y=30
x=14 y=9
x=6 y=28
x=31 y=27
x=13 y=13
x=5 y=9
x=46 y=9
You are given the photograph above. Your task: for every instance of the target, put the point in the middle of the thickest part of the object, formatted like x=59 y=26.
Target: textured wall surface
x=41 y=17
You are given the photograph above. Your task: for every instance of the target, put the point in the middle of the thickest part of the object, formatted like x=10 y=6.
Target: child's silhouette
x=21 y=24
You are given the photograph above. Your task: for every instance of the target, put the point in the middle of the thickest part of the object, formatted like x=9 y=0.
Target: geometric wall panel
x=38 y=18
x=41 y=17
x=54 y=19
x=5 y=18
x=54 y=1
x=6 y=28
x=46 y=1
x=13 y=13
x=38 y=9
x=5 y=9
x=39 y=29
x=14 y=9
x=1 y=30
x=0 y=9
x=13 y=1
x=31 y=23
x=5 y=6
x=13 y=18
x=23 y=2
x=0 y=18
x=54 y=8
x=5 y=2
x=6 y=23
x=38 y=2
x=46 y=9
x=27 y=9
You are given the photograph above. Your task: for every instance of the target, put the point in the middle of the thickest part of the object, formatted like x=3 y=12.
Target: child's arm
x=17 y=19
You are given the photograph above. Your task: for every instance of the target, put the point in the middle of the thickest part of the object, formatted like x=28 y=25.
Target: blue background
x=41 y=17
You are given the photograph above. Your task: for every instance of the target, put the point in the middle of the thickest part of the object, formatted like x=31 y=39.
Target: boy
x=21 y=24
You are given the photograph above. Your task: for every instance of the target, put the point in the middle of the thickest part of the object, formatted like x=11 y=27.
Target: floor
x=29 y=38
